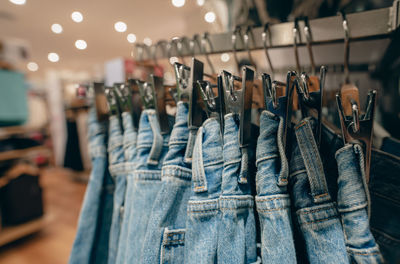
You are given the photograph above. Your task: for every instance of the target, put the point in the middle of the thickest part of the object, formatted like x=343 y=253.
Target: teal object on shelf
x=13 y=98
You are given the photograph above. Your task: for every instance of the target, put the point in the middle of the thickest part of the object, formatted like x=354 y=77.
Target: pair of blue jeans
x=272 y=200
x=203 y=214
x=165 y=236
x=130 y=140
x=316 y=216
x=151 y=149
x=353 y=204
x=237 y=228
x=91 y=241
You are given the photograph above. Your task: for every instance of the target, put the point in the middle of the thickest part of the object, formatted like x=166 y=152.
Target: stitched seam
x=315 y=210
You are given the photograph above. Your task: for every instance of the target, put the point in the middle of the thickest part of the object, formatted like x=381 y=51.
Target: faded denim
x=130 y=140
x=273 y=201
x=237 y=229
x=84 y=248
x=353 y=202
x=316 y=215
x=151 y=149
x=201 y=239
x=165 y=236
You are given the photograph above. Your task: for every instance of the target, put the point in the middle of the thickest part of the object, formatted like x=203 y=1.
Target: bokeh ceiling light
x=225 y=57
x=120 y=26
x=178 y=3
x=32 y=66
x=56 y=28
x=172 y=60
x=131 y=38
x=18 y=2
x=200 y=2
x=53 y=57
x=147 y=41
x=77 y=17
x=209 y=17
x=80 y=44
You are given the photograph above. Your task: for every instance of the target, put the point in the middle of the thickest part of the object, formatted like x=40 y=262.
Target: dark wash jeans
x=151 y=149
x=273 y=201
x=165 y=236
x=317 y=218
x=384 y=186
x=91 y=241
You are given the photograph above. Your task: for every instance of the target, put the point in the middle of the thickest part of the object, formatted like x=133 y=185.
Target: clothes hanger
x=100 y=101
x=356 y=127
x=113 y=108
x=266 y=32
x=239 y=102
x=136 y=104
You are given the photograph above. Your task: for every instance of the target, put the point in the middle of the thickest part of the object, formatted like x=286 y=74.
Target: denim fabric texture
x=117 y=171
x=316 y=215
x=151 y=149
x=201 y=238
x=165 y=235
x=353 y=202
x=87 y=225
x=272 y=200
x=237 y=229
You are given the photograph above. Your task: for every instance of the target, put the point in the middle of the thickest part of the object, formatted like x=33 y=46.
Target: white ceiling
x=157 y=19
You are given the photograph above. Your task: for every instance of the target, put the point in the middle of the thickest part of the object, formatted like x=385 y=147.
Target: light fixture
x=178 y=3
x=77 y=16
x=18 y=2
x=53 y=57
x=225 y=57
x=200 y=2
x=172 y=60
x=120 y=26
x=209 y=17
x=147 y=41
x=131 y=38
x=32 y=66
x=80 y=44
x=56 y=28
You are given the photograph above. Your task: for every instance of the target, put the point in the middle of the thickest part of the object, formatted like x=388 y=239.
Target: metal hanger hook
x=266 y=32
x=234 y=44
x=296 y=37
x=346 y=47
x=307 y=33
x=247 y=35
x=159 y=44
x=206 y=40
x=195 y=41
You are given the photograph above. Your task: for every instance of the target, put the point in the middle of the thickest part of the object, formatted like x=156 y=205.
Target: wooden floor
x=52 y=245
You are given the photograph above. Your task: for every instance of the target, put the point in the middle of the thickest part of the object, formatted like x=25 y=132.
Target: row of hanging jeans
x=196 y=196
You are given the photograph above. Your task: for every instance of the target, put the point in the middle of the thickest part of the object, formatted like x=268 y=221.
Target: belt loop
x=156 y=148
x=190 y=145
x=312 y=161
x=199 y=176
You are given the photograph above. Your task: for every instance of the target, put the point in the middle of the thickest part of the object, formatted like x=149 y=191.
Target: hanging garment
x=353 y=201
x=273 y=201
x=316 y=217
x=165 y=235
x=201 y=239
x=130 y=140
x=91 y=241
x=117 y=171
x=236 y=227
x=152 y=147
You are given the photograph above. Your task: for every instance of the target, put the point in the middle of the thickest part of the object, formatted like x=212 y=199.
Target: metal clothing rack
x=374 y=24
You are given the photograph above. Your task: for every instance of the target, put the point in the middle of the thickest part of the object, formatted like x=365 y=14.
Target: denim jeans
x=237 y=229
x=165 y=235
x=353 y=202
x=117 y=171
x=151 y=149
x=201 y=239
x=273 y=201
x=317 y=217
x=97 y=195
x=130 y=140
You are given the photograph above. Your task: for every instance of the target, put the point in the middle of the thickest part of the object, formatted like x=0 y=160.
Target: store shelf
x=21 y=153
x=12 y=233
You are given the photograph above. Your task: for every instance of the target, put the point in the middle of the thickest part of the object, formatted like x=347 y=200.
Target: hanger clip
x=182 y=74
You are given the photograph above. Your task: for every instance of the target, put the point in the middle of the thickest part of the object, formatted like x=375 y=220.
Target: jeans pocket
x=172 y=246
